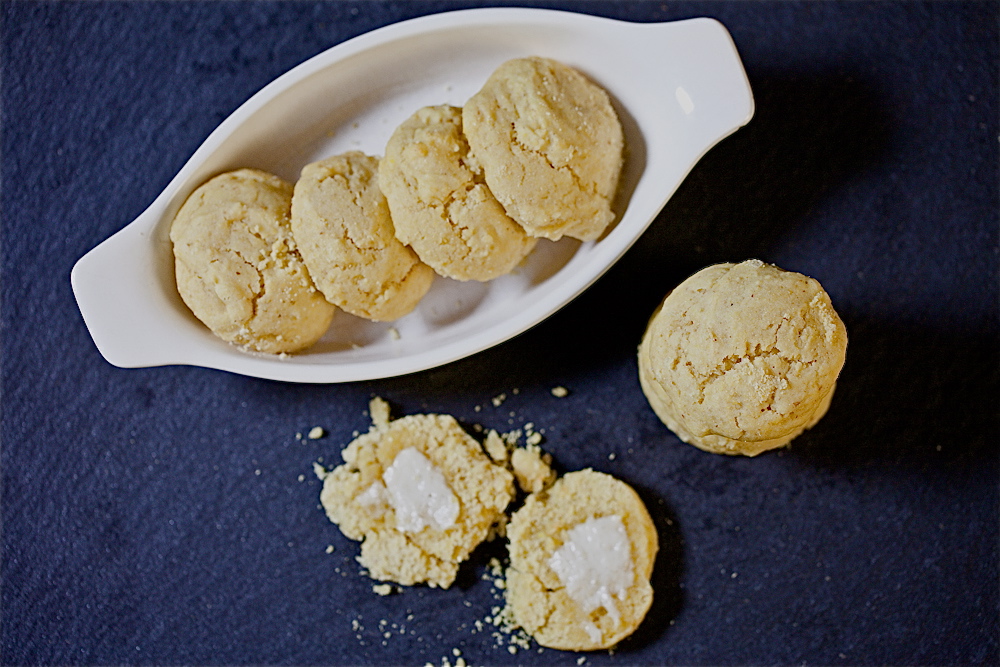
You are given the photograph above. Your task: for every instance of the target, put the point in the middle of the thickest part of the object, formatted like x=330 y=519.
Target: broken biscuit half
x=419 y=493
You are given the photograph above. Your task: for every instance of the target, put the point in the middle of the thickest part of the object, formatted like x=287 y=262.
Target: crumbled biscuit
x=357 y=496
x=543 y=601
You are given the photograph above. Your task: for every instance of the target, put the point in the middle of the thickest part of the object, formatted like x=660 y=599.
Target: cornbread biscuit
x=581 y=556
x=551 y=147
x=237 y=266
x=343 y=229
x=421 y=495
x=440 y=204
x=741 y=358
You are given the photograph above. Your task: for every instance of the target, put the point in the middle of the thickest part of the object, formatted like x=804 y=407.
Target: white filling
x=417 y=493
x=373 y=496
x=594 y=565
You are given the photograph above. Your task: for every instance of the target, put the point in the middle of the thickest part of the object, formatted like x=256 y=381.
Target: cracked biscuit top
x=551 y=147
x=581 y=557
x=741 y=358
x=342 y=226
x=440 y=204
x=420 y=493
x=237 y=266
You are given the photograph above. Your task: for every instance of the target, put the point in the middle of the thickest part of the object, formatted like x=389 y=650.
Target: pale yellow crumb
x=498 y=400
x=379 y=410
x=316 y=432
x=496 y=448
x=382 y=589
x=532 y=469
x=560 y=392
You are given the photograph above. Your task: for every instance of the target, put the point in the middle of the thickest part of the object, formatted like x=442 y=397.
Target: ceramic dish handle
x=121 y=288
x=704 y=92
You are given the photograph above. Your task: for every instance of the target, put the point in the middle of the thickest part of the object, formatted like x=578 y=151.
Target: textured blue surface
x=156 y=516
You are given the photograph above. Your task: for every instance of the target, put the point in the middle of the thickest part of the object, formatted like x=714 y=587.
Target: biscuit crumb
x=382 y=589
x=498 y=400
x=330 y=549
x=316 y=432
x=394 y=333
x=496 y=448
x=560 y=392
x=532 y=469
x=379 y=410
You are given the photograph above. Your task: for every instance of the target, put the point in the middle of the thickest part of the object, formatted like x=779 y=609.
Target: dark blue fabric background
x=156 y=516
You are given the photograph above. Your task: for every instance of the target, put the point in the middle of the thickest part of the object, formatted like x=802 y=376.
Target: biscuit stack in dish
x=461 y=192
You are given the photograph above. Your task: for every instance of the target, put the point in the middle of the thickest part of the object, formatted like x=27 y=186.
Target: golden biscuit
x=237 y=266
x=741 y=358
x=581 y=557
x=550 y=145
x=342 y=226
x=440 y=204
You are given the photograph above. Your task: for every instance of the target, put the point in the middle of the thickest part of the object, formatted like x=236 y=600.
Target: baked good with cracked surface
x=551 y=147
x=741 y=358
x=238 y=268
x=581 y=557
x=420 y=493
x=344 y=231
x=440 y=204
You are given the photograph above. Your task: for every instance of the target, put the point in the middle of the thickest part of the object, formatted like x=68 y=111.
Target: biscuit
x=741 y=358
x=440 y=204
x=342 y=226
x=551 y=147
x=581 y=557
x=237 y=266
x=420 y=494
